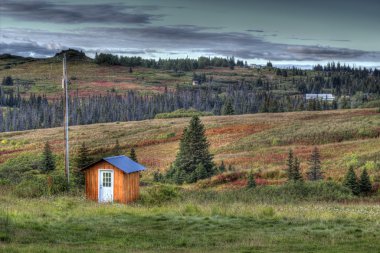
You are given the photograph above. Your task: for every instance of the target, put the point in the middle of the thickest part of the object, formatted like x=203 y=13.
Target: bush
x=159 y=194
x=33 y=187
x=16 y=169
x=223 y=178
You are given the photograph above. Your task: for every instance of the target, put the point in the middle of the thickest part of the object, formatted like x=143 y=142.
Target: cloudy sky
x=285 y=32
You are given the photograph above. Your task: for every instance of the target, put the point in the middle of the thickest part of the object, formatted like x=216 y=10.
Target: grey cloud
x=163 y=40
x=29 y=49
x=77 y=13
x=255 y=30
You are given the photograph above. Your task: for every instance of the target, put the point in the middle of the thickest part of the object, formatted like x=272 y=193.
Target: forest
x=285 y=92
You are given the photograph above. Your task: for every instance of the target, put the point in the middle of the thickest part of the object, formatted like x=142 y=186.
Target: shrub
x=57 y=182
x=159 y=194
x=273 y=174
x=14 y=170
x=33 y=187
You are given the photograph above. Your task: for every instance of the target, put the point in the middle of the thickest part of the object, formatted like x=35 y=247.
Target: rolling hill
x=258 y=142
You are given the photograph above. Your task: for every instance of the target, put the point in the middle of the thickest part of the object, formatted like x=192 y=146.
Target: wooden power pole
x=66 y=120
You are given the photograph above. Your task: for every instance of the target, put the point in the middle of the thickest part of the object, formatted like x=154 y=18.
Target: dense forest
x=352 y=87
x=186 y=64
x=38 y=112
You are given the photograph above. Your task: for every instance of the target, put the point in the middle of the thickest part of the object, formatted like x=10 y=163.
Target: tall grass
x=190 y=221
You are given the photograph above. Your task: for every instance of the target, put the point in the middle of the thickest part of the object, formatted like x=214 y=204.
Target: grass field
x=224 y=218
x=191 y=223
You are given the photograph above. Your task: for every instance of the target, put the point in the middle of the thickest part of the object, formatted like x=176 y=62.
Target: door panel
x=106 y=186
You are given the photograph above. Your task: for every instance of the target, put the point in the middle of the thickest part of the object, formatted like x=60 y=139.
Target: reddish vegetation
x=237 y=129
x=145 y=143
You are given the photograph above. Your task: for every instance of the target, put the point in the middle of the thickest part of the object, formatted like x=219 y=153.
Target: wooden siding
x=126 y=186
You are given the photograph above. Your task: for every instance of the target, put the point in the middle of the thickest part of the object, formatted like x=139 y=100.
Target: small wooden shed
x=113 y=179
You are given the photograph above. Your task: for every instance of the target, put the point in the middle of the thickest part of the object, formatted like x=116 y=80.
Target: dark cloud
x=314 y=39
x=30 y=49
x=77 y=13
x=241 y=45
x=255 y=31
x=167 y=40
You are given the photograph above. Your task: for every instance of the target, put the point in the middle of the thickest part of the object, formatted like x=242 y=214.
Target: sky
x=286 y=32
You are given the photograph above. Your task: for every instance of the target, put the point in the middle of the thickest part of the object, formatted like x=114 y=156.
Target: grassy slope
x=259 y=141
x=43 y=76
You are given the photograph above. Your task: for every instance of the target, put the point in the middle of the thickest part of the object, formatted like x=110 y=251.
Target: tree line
x=185 y=64
x=17 y=113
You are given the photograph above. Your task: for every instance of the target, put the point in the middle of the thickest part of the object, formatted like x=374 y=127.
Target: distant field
x=43 y=76
x=257 y=142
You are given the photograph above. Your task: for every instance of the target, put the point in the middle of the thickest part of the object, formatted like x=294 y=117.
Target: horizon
x=290 y=33
x=263 y=63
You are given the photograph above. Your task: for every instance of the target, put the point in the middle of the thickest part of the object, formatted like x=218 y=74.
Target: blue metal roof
x=124 y=163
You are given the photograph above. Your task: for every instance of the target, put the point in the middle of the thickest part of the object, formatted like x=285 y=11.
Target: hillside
x=43 y=76
x=259 y=142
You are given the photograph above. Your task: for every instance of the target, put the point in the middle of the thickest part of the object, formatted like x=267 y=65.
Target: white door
x=105 y=185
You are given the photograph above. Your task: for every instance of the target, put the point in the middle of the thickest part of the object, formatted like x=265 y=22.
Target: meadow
x=211 y=215
x=258 y=142
x=192 y=221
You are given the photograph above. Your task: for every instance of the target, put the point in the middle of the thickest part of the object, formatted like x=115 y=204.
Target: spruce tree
x=222 y=167
x=351 y=181
x=48 y=161
x=83 y=159
x=365 y=185
x=315 y=172
x=192 y=152
x=200 y=172
x=133 y=155
x=251 y=183
x=228 y=108
x=290 y=165
x=297 y=175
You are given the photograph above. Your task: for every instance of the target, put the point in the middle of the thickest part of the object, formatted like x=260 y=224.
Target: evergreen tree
x=351 y=181
x=365 y=185
x=251 y=181
x=315 y=172
x=133 y=155
x=83 y=159
x=228 y=108
x=193 y=151
x=297 y=175
x=222 y=167
x=157 y=176
x=7 y=81
x=48 y=161
x=290 y=165
x=117 y=148
x=200 y=172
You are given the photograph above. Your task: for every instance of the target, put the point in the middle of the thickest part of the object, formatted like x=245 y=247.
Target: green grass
x=182 y=113
x=189 y=224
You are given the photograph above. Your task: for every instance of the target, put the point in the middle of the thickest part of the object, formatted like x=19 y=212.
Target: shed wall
x=126 y=186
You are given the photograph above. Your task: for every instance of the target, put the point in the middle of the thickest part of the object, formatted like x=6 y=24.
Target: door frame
x=100 y=181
